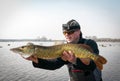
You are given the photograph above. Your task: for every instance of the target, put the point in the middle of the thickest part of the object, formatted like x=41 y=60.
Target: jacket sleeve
x=50 y=64
x=80 y=65
x=92 y=65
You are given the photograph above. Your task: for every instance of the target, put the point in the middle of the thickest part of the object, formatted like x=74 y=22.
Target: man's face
x=73 y=36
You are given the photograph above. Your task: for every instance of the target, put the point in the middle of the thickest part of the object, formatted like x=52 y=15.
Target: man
x=79 y=69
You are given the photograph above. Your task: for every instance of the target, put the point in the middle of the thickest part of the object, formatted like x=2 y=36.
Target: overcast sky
x=38 y=18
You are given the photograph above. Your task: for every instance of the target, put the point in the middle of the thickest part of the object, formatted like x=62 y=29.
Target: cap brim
x=64 y=30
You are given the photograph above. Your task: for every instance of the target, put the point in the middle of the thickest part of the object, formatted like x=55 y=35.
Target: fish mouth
x=20 y=53
x=14 y=50
x=11 y=49
x=25 y=56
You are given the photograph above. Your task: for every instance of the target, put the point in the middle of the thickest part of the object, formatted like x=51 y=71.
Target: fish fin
x=100 y=61
x=86 y=47
x=85 y=60
x=99 y=65
x=29 y=43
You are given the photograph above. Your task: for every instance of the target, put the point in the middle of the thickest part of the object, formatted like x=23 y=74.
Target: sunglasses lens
x=70 y=32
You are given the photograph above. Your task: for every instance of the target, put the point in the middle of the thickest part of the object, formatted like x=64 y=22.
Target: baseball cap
x=71 y=25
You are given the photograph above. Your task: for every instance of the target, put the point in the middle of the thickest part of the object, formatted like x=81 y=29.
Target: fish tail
x=100 y=61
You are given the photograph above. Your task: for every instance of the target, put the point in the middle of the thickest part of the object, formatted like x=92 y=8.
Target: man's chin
x=69 y=41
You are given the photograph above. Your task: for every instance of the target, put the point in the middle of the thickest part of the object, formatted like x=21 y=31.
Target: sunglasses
x=69 y=32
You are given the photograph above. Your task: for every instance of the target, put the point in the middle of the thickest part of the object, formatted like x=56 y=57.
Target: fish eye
x=22 y=47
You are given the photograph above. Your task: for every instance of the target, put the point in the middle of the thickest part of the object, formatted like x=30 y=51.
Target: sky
x=31 y=19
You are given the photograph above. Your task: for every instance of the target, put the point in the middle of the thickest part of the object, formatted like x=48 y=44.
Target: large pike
x=55 y=51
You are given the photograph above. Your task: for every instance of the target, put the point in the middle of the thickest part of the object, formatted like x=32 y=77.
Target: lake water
x=15 y=68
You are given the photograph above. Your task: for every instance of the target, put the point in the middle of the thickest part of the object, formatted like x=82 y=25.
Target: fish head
x=25 y=51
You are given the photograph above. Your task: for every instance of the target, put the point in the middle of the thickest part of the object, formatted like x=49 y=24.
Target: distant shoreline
x=39 y=40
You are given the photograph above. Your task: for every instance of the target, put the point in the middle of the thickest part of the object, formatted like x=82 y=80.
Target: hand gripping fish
x=55 y=51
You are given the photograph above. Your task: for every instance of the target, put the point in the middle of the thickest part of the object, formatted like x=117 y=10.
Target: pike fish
x=55 y=51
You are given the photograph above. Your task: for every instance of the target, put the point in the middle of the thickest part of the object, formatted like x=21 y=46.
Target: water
x=15 y=68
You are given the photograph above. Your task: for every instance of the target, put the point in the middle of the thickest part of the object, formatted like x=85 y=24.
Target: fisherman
x=79 y=69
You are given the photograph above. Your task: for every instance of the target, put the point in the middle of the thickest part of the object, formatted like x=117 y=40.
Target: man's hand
x=32 y=58
x=69 y=56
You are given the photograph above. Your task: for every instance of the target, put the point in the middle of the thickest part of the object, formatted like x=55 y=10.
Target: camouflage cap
x=71 y=25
